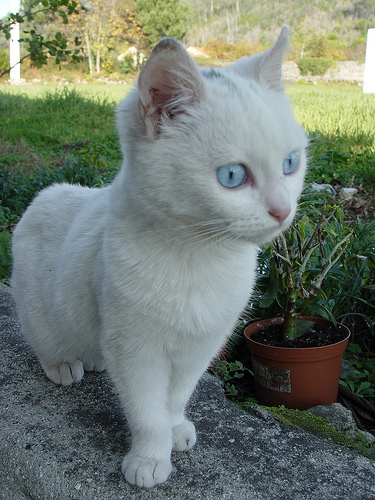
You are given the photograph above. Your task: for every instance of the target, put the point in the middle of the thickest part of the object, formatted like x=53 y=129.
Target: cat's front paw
x=66 y=373
x=183 y=436
x=145 y=472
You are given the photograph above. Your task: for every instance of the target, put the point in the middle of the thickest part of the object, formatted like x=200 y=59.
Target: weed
x=361 y=379
x=229 y=372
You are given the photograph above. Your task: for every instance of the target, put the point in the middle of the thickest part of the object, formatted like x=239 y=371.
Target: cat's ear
x=167 y=84
x=265 y=68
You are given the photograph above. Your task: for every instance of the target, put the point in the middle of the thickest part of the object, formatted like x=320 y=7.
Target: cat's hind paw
x=66 y=373
x=183 y=436
x=145 y=472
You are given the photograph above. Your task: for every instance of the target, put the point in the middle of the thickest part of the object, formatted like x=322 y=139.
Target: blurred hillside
x=341 y=24
x=116 y=36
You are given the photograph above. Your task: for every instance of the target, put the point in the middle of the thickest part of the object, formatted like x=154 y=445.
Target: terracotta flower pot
x=296 y=377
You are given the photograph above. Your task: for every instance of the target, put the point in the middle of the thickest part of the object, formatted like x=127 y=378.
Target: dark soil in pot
x=316 y=336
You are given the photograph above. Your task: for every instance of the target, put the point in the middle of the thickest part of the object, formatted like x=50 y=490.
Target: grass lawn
x=43 y=124
x=340 y=121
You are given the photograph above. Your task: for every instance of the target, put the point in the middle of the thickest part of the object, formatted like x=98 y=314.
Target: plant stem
x=290 y=321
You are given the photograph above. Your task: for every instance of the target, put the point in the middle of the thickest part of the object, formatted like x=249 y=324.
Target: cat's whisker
x=203 y=235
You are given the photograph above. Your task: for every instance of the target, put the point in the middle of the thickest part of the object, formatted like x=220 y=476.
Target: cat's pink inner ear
x=168 y=82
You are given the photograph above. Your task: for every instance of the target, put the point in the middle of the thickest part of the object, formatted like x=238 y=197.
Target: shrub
x=316 y=66
x=4 y=59
x=17 y=190
x=108 y=64
x=224 y=50
x=5 y=245
x=126 y=65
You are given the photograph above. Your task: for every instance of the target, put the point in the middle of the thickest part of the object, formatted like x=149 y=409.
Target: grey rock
x=325 y=188
x=347 y=369
x=67 y=443
x=348 y=193
x=290 y=72
x=340 y=418
x=342 y=71
x=346 y=71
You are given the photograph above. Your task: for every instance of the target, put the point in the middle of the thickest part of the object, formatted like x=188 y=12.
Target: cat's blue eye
x=231 y=176
x=291 y=162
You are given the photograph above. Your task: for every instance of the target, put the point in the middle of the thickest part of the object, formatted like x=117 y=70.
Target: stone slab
x=67 y=443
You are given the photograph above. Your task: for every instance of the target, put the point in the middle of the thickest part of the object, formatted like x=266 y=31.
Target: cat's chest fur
x=196 y=287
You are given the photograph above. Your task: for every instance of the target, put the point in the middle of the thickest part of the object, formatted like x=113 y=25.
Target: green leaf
x=303 y=327
x=273 y=285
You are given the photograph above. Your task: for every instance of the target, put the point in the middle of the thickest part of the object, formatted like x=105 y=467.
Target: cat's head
x=215 y=149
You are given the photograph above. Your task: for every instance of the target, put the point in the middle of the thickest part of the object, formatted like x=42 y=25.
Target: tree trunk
x=88 y=48
x=14 y=46
x=229 y=35
x=98 y=48
x=98 y=61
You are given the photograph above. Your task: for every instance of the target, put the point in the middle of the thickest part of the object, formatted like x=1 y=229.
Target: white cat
x=147 y=277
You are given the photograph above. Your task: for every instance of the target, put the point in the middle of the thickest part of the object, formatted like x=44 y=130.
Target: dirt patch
x=21 y=157
x=362 y=206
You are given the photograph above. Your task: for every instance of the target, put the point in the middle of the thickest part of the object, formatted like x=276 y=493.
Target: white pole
x=369 y=78
x=14 y=46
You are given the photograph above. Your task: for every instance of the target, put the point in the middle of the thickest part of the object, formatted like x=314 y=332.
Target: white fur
x=148 y=276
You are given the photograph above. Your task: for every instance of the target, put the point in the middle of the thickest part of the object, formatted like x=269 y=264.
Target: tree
x=97 y=28
x=132 y=33
x=160 y=18
x=38 y=48
x=107 y=29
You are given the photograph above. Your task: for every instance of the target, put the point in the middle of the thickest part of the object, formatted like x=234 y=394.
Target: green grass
x=111 y=92
x=340 y=121
x=53 y=134
x=56 y=121
x=42 y=124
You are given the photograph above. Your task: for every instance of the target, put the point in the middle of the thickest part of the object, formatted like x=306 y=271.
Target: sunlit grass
x=334 y=109
x=112 y=92
x=340 y=121
x=52 y=120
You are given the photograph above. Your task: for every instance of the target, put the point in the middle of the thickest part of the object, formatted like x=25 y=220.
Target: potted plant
x=297 y=360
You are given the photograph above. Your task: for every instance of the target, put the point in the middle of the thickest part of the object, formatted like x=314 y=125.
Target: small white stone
x=322 y=187
x=348 y=193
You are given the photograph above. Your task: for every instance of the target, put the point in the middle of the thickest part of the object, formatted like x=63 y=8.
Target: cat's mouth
x=260 y=234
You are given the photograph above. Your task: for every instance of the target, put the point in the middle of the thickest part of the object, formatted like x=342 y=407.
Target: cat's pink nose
x=280 y=213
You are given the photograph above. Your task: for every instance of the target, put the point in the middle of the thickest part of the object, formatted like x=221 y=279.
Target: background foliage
x=98 y=34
